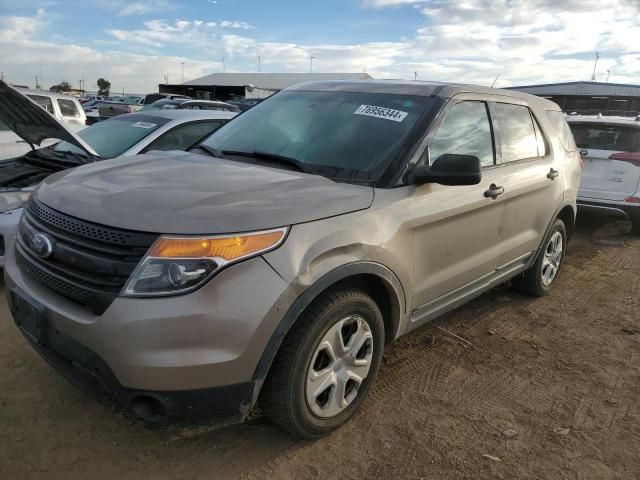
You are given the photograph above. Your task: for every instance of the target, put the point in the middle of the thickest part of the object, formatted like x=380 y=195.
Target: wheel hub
x=552 y=258
x=338 y=367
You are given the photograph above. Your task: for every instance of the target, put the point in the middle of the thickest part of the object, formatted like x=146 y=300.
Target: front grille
x=90 y=263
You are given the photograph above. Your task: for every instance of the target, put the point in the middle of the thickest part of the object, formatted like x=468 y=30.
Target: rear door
x=532 y=176
x=604 y=177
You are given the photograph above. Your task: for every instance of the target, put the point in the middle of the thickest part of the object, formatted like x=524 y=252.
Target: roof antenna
x=593 y=75
x=495 y=80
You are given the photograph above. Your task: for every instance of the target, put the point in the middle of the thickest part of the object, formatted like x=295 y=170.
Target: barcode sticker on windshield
x=144 y=125
x=381 y=112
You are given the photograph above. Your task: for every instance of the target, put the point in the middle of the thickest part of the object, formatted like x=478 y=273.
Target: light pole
x=259 y=67
x=182 y=72
x=311 y=64
x=593 y=75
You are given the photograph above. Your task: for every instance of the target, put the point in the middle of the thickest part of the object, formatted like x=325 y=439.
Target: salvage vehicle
x=272 y=262
x=610 y=149
x=125 y=135
x=183 y=104
x=133 y=104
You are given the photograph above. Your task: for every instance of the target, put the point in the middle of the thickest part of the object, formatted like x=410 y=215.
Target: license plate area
x=29 y=316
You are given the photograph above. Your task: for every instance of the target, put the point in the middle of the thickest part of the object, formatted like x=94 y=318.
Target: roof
x=581 y=88
x=270 y=81
x=184 y=115
x=418 y=88
x=45 y=93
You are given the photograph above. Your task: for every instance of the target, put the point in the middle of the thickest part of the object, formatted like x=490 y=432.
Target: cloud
x=125 y=8
x=525 y=42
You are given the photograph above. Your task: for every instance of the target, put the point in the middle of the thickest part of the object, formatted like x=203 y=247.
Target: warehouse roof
x=270 y=81
x=581 y=88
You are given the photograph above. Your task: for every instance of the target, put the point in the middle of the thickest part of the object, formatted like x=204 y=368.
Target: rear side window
x=602 y=136
x=464 y=131
x=68 y=108
x=44 y=102
x=562 y=129
x=518 y=138
x=185 y=136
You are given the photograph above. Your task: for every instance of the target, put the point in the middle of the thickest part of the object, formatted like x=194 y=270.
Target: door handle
x=494 y=191
x=552 y=174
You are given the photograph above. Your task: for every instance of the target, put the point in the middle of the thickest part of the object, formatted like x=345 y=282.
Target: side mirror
x=450 y=169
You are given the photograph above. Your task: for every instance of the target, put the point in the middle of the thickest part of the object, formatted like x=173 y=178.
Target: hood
x=188 y=193
x=33 y=123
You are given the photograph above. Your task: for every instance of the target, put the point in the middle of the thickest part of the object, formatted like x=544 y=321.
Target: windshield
x=113 y=137
x=603 y=136
x=342 y=135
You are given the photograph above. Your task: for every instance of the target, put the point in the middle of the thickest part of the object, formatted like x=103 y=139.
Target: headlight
x=179 y=264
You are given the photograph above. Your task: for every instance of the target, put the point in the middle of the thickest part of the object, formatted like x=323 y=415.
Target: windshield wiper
x=214 y=152
x=273 y=158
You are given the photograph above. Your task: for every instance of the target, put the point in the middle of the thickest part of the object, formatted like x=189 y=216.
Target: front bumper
x=195 y=354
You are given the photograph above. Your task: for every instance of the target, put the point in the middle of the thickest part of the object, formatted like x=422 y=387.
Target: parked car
x=130 y=104
x=125 y=135
x=91 y=105
x=245 y=104
x=65 y=108
x=183 y=104
x=610 y=149
x=90 y=98
x=277 y=258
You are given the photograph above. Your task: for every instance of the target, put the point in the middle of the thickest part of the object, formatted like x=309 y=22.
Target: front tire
x=538 y=279
x=326 y=364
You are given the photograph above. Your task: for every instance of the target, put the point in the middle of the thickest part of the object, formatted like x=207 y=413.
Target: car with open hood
x=273 y=261
x=124 y=135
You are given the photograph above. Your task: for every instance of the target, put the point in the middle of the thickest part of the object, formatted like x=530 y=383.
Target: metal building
x=590 y=98
x=226 y=86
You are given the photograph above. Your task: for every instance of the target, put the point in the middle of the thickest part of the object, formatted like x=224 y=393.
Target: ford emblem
x=41 y=245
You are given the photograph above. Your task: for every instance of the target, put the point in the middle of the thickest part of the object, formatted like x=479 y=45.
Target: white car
x=64 y=108
x=610 y=150
x=124 y=135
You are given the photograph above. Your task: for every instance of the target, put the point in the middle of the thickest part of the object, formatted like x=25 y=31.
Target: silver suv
x=274 y=261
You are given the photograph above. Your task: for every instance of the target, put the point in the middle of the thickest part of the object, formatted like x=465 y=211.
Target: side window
x=466 y=130
x=68 y=108
x=44 y=102
x=518 y=138
x=185 y=136
x=562 y=129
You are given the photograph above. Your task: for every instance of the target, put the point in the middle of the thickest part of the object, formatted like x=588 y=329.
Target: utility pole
x=311 y=64
x=41 y=79
x=224 y=66
x=593 y=75
x=415 y=76
x=259 y=67
x=182 y=72
x=2 y=76
x=608 y=73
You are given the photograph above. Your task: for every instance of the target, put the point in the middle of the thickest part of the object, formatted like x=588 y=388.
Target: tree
x=103 y=87
x=63 y=86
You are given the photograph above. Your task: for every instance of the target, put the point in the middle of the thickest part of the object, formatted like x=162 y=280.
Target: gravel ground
x=540 y=388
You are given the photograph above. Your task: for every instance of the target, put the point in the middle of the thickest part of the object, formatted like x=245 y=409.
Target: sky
x=135 y=44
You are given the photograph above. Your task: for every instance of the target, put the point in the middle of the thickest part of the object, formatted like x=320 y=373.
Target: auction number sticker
x=381 y=112
x=144 y=125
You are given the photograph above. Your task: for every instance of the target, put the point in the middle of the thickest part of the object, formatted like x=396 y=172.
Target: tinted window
x=517 y=134
x=562 y=129
x=342 y=135
x=68 y=108
x=44 y=102
x=185 y=136
x=465 y=131
x=112 y=137
x=602 y=136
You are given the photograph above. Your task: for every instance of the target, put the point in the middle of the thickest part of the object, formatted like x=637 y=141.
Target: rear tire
x=635 y=225
x=296 y=396
x=539 y=278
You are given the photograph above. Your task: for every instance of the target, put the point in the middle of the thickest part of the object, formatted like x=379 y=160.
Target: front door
x=456 y=228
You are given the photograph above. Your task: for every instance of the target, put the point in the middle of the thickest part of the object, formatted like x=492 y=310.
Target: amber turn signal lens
x=226 y=248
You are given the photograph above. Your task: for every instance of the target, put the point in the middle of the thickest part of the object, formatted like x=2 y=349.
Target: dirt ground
x=541 y=388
